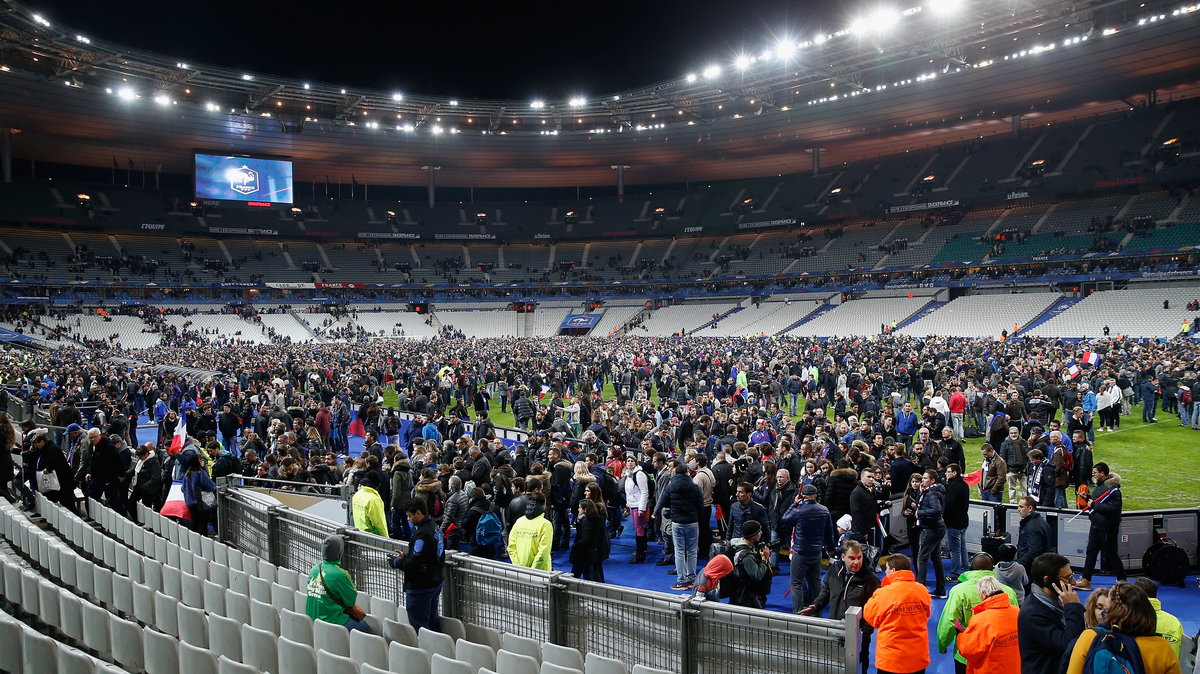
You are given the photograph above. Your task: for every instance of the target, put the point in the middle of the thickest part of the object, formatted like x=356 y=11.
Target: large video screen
x=243 y=179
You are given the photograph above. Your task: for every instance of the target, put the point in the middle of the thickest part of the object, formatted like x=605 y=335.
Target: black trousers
x=1103 y=542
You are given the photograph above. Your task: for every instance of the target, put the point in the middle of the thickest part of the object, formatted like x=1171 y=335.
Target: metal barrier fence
x=672 y=632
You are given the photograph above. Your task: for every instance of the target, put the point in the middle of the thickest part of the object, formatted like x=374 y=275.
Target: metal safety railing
x=683 y=634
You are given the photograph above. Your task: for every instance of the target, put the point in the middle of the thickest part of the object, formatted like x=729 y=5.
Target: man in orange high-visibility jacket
x=899 y=612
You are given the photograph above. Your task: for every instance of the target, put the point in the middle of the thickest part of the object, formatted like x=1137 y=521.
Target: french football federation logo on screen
x=243 y=180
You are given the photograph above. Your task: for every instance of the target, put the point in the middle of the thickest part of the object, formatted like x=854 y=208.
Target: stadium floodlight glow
x=397 y=97
x=742 y=62
x=307 y=86
x=211 y=107
x=943 y=7
x=83 y=39
x=248 y=77
x=40 y=19
x=162 y=99
x=537 y=104
x=691 y=77
x=712 y=71
x=785 y=50
x=879 y=21
x=437 y=130
x=126 y=94
x=577 y=101
x=453 y=104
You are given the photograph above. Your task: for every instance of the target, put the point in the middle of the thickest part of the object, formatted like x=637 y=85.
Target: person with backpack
x=1127 y=642
x=750 y=581
x=390 y=427
x=638 y=489
x=591 y=546
x=483 y=528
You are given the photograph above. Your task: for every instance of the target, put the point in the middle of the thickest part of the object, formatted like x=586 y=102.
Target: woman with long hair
x=1131 y=619
x=196 y=484
x=591 y=543
x=912 y=495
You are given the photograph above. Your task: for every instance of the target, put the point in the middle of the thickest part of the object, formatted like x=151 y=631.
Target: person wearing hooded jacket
x=930 y=510
x=367 y=505
x=899 y=611
x=532 y=536
x=1104 y=512
x=331 y=590
x=50 y=459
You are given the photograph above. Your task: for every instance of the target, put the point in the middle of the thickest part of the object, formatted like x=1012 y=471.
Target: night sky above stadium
x=458 y=49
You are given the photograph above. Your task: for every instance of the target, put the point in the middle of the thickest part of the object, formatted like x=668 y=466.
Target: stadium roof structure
x=906 y=79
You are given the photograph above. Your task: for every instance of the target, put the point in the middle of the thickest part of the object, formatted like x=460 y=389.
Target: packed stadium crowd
x=756 y=454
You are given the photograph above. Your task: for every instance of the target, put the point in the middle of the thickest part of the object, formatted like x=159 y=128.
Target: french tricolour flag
x=179 y=438
x=1091 y=358
x=1070 y=371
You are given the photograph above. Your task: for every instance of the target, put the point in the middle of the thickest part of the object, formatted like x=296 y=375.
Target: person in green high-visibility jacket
x=331 y=593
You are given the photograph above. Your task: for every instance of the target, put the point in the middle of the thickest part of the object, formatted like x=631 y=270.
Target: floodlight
x=578 y=102
x=785 y=50
x=742 y=62
x=712 y=71
x=307 y=86
x=453 y=103
x=883 y=19
x=537 y=104
x=691 y=77
x=397 y=97
x=211 y=107
x=127 y=94
x=248 y=77
x=943 y=7
x=162 y=99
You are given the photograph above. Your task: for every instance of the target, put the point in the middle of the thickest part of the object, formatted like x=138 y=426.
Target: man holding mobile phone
x=1051 y=618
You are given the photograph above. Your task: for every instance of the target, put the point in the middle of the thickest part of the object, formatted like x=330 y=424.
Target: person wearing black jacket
x=591 y=546
x=1051 y=617
x=686 y=503
x=146 y=478
x=864 y=507
x=1104 y=511
x=1034 y=534
x=958 y=501
x=931 y=507
x=105 y=467
x=50 y=459
x=480 y=506
x=423 y=568
x=846 y=584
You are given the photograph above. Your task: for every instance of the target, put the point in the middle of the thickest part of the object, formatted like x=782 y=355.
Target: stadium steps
x=1012 y=177
x=637 y=251
x=291 y=264
x=921 y=313
x=307 y=328
x=1053 y=310
x=718 y=319
x=1173 y=217
x=225 y=251
x=1062 y=165
x=809 y=317
x=325 y=257
x=1125 y=209
x=1037 y=227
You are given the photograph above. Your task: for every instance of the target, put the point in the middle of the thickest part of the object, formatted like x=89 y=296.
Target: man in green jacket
x=369 y=514
x=532 y=537
x=960 y=602
x=1169 y=626
x=331 y=593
